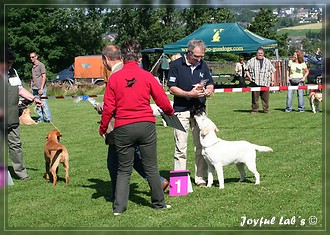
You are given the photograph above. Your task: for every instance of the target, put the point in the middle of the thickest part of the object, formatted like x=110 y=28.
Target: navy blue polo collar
x=184 y=61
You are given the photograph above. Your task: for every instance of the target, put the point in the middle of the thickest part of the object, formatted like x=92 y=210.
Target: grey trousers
x=15 y=152
x=142 y=134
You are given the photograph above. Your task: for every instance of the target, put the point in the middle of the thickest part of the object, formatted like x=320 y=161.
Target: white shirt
x=15 y=80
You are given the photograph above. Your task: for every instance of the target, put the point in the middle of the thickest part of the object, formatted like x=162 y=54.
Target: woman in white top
x=296 y=76
x=240 y=72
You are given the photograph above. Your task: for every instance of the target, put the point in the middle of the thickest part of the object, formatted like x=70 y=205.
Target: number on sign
x=178 y=188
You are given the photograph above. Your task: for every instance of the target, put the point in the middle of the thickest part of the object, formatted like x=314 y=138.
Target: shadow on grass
x=103 y=189
x=296 y=111
x=242 y=111
x=233 y=181
x=249 y=111
x=166 y=174
x=13 y=174
x=236 y=180
x=277 y=109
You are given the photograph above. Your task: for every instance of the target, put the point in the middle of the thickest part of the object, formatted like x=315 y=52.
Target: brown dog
x=55 y=153
x=25 y=118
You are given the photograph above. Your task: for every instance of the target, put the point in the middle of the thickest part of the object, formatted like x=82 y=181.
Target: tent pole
x=161 y=56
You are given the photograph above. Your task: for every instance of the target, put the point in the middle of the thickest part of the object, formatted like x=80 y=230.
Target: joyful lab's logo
x=216 y=35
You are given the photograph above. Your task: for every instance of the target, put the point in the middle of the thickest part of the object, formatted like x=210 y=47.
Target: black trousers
x=241 y=81
x=142 y=134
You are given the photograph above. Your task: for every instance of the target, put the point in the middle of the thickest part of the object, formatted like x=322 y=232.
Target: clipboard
x=172 y=121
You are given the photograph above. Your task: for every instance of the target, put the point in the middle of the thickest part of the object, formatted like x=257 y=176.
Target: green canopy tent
x=223 y=38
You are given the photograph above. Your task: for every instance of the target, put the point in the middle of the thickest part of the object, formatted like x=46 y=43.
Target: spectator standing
x=112 y=60
x=296 y=75
x=15 y=89
x=185 y=73
x=175 y=56
x=39 y=88
x=261 y=73
x=318 y=54
x=240 y=70
x=128 y=94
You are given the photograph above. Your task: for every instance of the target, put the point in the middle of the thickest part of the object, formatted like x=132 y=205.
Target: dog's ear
x=48 y=136
x=59 y=135
x=216 y=129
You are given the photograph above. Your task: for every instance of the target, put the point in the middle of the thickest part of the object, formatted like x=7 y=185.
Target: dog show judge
x=190 y=81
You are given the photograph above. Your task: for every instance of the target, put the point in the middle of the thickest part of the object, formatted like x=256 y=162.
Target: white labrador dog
x=219 y=153
x=315 y=100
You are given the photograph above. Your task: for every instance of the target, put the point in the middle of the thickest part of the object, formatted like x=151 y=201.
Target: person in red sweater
x=127 y=97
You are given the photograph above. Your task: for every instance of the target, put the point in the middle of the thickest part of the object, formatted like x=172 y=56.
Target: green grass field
x=290 y=192
x=301 y=30
x=311 y=26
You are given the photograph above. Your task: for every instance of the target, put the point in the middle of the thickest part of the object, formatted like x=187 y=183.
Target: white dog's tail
x=262 y=148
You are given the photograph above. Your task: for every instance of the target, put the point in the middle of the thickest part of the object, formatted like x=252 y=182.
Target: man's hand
x=38 y=102
x=208 y=92
x=99 y=108
x=101 y=132
x=197 y=92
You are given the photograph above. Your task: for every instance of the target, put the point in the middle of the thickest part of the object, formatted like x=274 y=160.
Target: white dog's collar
x=218 y=140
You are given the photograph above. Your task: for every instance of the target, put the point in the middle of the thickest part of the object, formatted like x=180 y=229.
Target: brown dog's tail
x=58 y=152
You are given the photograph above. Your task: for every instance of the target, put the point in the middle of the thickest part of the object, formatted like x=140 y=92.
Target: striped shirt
x=261 y=75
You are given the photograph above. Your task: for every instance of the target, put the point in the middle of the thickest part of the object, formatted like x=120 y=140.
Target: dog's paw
x=221 y=187
x=208 y=185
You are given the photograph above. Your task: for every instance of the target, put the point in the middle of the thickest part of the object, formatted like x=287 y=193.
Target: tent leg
x=163 y=79
x=157 y=62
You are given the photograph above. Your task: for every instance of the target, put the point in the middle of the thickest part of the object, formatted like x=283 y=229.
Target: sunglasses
x=196 y=56
x=32 y=57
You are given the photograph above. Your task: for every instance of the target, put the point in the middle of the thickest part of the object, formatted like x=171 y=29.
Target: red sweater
x=127 y=97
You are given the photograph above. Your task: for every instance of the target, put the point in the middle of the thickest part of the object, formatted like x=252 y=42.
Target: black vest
x=12 y=105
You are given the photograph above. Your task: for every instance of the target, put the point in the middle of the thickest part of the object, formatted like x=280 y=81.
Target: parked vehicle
x=315 y=67
x=66 y=76
x=84 y=69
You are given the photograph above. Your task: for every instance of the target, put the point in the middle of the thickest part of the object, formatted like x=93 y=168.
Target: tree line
x=58 y=35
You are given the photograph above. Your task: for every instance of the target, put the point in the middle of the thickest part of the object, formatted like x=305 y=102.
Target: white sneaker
x=168 y=206
x=116 y=213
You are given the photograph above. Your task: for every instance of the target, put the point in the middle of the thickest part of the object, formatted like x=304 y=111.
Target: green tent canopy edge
x=223 y=38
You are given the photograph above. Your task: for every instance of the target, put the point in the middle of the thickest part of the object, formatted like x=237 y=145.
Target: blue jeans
x=112 y=164
x=301 y=102
x=43 y=112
